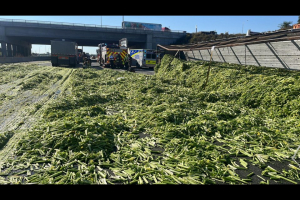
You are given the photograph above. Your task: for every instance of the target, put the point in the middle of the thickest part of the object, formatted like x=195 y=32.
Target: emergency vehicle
x=144 y=58
x=105 y=50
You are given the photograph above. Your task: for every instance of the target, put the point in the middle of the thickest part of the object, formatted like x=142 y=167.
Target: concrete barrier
x=23 y=59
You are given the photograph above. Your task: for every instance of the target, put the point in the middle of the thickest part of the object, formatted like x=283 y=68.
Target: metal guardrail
x=52 y=24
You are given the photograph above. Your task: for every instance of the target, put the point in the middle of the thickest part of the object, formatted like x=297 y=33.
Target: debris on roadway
x=116 y=127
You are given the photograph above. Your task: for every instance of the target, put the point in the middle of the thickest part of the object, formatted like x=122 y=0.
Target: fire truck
x=119 y=51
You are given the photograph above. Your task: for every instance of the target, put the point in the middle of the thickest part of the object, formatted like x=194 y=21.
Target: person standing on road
x=111 y=59
x=129 y=63
x=129 y=60
x=126 y=62
x=118 y=59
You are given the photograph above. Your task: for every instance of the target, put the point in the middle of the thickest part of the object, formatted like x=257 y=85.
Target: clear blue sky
x=219 y=23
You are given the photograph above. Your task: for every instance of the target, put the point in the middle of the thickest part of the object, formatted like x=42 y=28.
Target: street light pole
x=243 y=27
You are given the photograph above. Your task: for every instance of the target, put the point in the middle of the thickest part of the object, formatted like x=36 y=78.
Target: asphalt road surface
x=96 y=65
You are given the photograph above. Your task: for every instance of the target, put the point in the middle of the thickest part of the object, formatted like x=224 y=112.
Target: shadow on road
x=144 y=69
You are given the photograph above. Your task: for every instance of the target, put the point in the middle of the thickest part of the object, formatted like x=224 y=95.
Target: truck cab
x=165 y=29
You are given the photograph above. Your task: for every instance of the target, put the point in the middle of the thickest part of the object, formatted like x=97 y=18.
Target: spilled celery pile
x=126 y=128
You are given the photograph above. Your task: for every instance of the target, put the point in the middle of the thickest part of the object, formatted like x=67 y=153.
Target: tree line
x=287 y=24
x=191 y=38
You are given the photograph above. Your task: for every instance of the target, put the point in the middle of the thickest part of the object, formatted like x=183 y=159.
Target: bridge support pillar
x=14 y=50
x=17 y=50
x=3 y=49
x=21 y=50
x=149 y=41
x=29 y=50
x=26 y=51
x=9 y=51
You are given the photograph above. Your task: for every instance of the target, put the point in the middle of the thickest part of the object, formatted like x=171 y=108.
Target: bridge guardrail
x=84 y=26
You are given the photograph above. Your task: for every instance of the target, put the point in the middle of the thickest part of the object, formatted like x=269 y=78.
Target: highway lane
x=97 y=66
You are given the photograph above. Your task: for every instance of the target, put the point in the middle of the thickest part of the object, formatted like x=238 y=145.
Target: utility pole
x=196 y=28
x=101 y=20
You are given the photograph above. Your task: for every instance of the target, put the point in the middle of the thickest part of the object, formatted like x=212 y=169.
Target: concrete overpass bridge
x=17 y=36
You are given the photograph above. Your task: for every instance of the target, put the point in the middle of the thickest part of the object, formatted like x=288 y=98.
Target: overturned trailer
x=278 y=49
